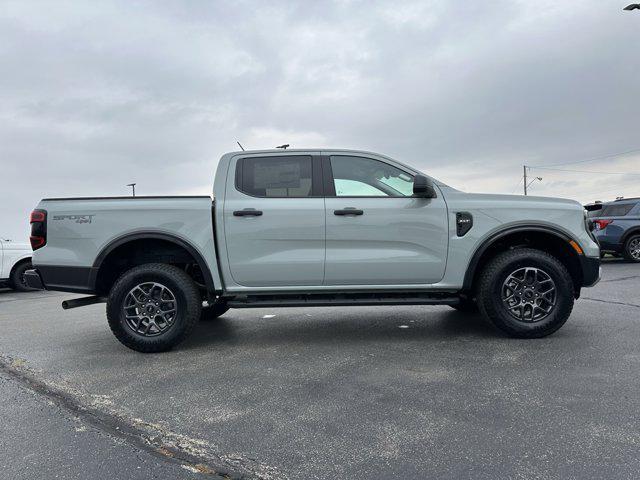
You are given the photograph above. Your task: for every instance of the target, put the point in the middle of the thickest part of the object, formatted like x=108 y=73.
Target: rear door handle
x=247 y=212
x=348 y=211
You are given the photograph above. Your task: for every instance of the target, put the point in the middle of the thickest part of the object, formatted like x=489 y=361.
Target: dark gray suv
x=617 y=227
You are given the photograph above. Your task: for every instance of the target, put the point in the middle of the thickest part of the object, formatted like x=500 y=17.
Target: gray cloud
x=94 y=95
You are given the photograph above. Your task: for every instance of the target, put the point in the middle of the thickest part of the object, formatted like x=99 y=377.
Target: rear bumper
x=62 y=278
x=33 y=279
x=591 y=271
x=609 y=243
x=610 y=247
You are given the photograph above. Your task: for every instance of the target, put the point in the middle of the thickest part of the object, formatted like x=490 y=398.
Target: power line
x=585 y=171
x=517 y=185
x=603 y=157
x=609 y=191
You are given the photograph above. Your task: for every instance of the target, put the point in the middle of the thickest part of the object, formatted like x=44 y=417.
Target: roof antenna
x=240 y=145
x=284 y=147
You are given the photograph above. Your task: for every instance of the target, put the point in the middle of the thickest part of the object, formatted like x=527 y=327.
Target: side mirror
x=423 y=187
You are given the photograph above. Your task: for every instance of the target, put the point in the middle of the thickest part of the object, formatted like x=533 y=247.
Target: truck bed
x=82 y=231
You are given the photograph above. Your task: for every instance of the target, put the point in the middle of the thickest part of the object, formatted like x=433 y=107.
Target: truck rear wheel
x=526 y=293
x=153 y=307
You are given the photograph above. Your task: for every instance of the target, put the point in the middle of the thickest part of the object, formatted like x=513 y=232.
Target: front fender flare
x=495 y=236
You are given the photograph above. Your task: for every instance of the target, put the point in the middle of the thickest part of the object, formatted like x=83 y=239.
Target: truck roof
x=629 y=199
x=324 y=149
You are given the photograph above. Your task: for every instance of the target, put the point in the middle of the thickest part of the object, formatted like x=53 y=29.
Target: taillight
x=38 y=216
x=37 y=242
x=602 y=224
x=38 y=221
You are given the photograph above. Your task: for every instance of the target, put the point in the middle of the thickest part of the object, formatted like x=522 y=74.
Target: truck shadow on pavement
x=339 y=328
x=613 y=262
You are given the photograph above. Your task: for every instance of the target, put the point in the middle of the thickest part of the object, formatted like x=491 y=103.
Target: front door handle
x=247 y=212
x=348 y=211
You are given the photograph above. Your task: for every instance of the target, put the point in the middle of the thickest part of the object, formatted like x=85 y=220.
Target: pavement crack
x=621 y=279
x=611 y=302
x=193 y=454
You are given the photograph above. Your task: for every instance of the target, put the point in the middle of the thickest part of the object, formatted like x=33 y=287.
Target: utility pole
x=133 y=188
x=524 y=167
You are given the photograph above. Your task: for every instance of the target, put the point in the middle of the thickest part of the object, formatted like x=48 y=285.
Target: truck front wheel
x=526 y=293
x=153 y=307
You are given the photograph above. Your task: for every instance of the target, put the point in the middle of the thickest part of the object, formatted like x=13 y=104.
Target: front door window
x=365 y=177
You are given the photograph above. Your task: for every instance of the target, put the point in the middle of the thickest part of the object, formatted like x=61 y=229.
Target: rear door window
x=285 y=176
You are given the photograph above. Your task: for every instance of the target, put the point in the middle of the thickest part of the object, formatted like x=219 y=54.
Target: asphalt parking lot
x=324 y=393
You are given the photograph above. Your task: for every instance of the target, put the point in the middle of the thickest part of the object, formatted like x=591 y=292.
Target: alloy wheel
x=529 y=294
x=634 y=248
x=150 y=309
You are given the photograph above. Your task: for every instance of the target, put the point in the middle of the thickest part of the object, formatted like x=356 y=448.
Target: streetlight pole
x=133 y=188
x=535 y=178
x=524 y=167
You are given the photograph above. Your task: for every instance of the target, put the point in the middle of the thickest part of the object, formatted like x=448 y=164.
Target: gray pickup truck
x=314 y=228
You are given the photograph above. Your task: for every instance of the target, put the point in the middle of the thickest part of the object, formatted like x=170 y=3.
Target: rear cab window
x=275 y=176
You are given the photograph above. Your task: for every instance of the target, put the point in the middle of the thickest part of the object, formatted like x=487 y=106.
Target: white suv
x=15 y=259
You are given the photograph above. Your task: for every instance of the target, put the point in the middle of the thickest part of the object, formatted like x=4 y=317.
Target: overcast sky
x=94 y=95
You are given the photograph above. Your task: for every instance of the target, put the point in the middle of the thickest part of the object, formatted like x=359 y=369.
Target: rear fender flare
x=152 y=235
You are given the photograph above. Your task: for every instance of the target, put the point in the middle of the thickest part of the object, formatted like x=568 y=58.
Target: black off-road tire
x=188 y=305
x=17 y=281
x=466 y=306
x=627 y=252
x=212 y=312
x=490 y=292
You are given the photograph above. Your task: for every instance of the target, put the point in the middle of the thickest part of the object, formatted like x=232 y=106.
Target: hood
x=515 y=201
x=9 y=244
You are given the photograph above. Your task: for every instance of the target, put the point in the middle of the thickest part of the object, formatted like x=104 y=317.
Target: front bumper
x=591 y=271
x=33 y=279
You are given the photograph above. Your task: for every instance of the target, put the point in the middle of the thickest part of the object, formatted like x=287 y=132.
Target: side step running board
x=341 y=299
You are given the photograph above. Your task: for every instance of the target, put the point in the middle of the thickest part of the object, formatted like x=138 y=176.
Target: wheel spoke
x=529 y=294
x=149 y=309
